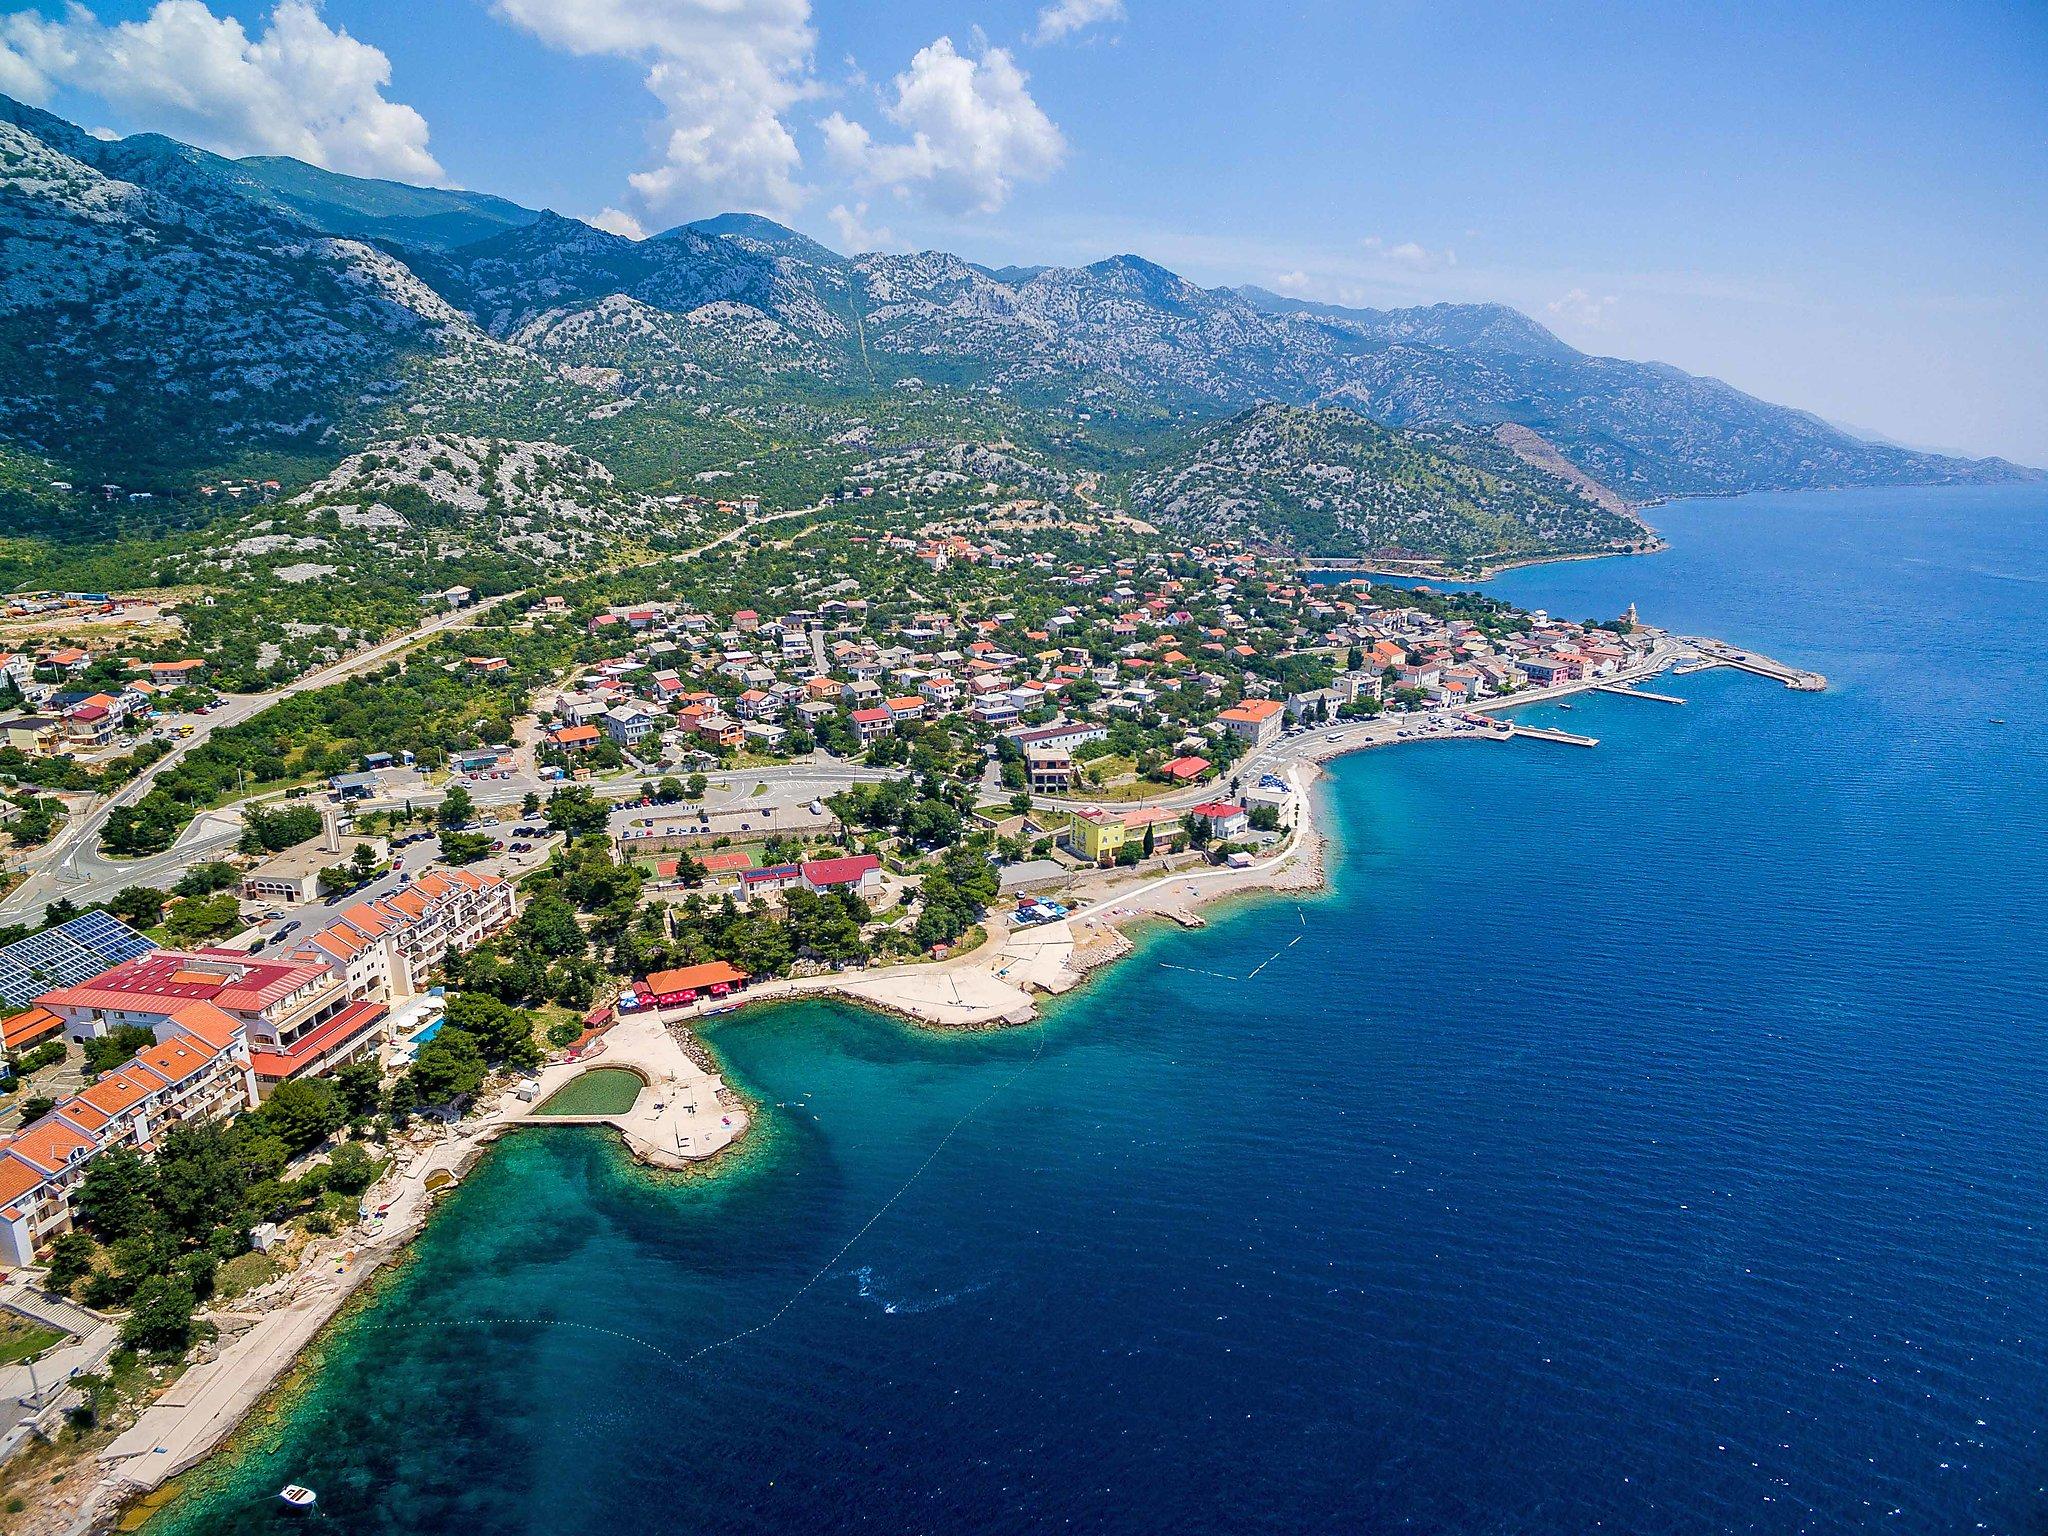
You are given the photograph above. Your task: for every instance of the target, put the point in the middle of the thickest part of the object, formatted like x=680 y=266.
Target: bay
x=1650 y=1138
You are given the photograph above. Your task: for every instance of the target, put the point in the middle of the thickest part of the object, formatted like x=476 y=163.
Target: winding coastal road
x=71 y=864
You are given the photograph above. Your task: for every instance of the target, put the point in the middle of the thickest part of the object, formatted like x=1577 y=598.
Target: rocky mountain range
x=168 y=314
x=1328 y=482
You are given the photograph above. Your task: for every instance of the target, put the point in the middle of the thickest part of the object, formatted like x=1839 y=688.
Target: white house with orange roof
x=199 y=1069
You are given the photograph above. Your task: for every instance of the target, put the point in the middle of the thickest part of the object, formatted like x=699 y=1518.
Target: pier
x=1719 y=653
x=1544 y=733
x=1640 y=693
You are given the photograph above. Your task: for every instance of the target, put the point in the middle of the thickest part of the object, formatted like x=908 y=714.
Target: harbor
x=1719 y=653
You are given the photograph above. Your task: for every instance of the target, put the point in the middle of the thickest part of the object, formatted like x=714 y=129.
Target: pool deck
x=681 y=1117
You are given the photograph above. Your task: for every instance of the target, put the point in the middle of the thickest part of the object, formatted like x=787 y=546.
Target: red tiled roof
x=691 y=977
x=840 y=871
x=227 y=977
x=310 y=1047
x=176 y=1059
x=16 y=1180
x=27 y=1027
x=207 y=1024
x=50 y=1144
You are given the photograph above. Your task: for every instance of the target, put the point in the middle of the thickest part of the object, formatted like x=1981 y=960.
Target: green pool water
x=600 y=1091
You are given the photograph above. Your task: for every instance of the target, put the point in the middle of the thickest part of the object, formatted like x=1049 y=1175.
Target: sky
x=1838 y=204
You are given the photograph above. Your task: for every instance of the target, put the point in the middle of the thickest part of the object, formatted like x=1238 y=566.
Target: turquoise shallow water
x=1645 y=1139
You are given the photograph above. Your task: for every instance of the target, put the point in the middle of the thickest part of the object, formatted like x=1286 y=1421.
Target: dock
x=1639 y=693
x=1544 y=733
x=1721 y=654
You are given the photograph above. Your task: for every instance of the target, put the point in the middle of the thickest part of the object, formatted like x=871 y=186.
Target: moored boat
x=297 y=1496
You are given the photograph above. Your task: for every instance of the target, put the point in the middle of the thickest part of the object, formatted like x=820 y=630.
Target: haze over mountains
x=168 y=315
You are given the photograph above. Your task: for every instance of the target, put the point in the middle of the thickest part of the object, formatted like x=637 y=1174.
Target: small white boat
x=297 y=1496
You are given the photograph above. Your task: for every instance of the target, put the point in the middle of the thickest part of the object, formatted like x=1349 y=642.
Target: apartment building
x=292 y=1017
x=199 y=1069
x=386 y=950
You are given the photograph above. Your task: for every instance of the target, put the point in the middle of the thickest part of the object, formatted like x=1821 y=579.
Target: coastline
x=1435 y=570
x=994 y=986
x=686 y=1118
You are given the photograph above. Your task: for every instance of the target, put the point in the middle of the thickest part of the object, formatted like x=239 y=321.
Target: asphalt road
x=71 y=863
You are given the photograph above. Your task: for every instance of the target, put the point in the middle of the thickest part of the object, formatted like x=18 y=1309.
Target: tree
x=200 y=1180
x=932 y=824
x=71 y=1259
x=195 y=919
x=150 y=826
x=139 y=906
x=448 y=1067
x=549 y=926
x=530 y=805
x=458 y=810
x=695 y=787
x=351 y=1170
x=358 y=1083
x=303 y=1113
x=574 y=810
x=116 y=1046
x=273 y=831
x=114 y=1197
x=161 y=1318
x=205 y=878
x=501 y=1033
x=463 y=847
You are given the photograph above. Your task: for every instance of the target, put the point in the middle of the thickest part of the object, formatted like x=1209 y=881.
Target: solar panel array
x=66 y=955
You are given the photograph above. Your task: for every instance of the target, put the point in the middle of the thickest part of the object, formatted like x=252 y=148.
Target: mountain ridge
x=306 y=322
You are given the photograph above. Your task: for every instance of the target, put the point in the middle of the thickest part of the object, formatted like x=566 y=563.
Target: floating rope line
x=680 y=1363
x=532 y=1322
x=1168 y=965
x=903 y=1189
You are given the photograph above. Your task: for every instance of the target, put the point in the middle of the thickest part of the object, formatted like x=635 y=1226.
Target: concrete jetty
x=1640 y=693
x=1544 y=733
x=1720 y=653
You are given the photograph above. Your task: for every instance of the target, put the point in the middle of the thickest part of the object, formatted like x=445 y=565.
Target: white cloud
x=617 y=221
x=725 y=72
x=301 y=88
x=974 y=132
x=1581 y=308
x=855 y=234
x=1064 y=18
x=1408 y=253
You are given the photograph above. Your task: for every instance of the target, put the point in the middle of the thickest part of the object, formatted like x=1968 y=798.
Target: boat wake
x=872 y=1287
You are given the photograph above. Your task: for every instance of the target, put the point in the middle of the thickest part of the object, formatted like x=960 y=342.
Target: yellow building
x=1099 y=836
x=1096 y=838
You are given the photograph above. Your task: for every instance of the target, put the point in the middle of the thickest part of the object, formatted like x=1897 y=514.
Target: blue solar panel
x=66 y=955
x=106 y=936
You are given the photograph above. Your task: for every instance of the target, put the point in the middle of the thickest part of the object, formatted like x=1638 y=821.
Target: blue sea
x=1645 y=1139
